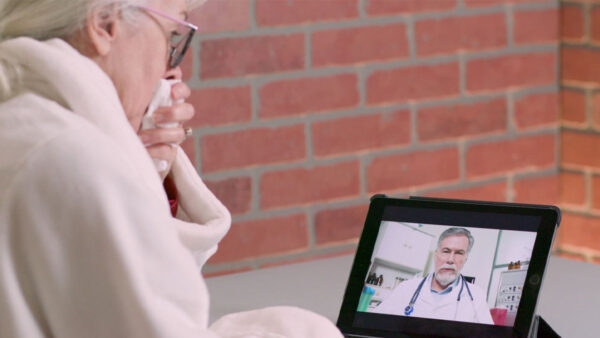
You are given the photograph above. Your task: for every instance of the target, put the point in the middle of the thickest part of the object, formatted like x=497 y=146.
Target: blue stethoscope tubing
x=411 y=306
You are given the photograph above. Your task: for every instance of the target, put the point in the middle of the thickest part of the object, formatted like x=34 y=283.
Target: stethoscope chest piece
x=408 y=310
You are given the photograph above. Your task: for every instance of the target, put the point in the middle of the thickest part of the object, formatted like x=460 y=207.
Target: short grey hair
x=44 y=20
x=47 y=19
x=455 y=231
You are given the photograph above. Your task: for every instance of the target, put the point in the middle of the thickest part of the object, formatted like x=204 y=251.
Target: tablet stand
x=541 y=329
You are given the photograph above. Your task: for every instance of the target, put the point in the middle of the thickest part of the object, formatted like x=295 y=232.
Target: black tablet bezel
x=549 y=217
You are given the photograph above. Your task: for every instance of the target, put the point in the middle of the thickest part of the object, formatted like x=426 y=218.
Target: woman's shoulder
x=29 y=111
x=28 y=121
x=40 y=135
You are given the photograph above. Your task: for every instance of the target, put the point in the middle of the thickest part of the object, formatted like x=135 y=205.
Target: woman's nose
x=174 y=73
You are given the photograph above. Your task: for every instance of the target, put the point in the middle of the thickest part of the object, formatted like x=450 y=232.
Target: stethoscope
x=411 y=306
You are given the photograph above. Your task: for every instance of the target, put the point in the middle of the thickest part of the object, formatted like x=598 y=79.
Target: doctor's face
x=450 y=258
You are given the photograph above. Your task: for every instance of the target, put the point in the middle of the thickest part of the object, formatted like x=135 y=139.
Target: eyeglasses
x=180 y=38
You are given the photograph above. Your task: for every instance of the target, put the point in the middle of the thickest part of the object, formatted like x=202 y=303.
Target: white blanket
x=88 y=247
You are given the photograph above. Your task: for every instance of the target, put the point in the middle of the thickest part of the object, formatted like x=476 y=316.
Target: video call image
x=447 y=272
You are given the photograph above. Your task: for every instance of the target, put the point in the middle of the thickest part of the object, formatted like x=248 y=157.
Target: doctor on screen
x=443 y=294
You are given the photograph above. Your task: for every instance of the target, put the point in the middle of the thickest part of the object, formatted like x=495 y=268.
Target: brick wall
x=580 y=134
x=305 y=108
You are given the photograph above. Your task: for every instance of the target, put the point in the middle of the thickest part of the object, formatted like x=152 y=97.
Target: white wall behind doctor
x=481 y=258
x=515 y=246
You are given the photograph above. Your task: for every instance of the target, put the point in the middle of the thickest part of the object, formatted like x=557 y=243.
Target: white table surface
x=569 y=300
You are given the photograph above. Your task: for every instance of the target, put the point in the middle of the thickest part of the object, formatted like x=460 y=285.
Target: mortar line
x=508 y=12
x=253 y=23
x=587 y=7
x=310 y=228
x=362 y=9
x=462 y=161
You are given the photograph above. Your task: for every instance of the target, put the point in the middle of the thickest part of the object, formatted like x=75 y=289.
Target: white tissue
x=161 y=98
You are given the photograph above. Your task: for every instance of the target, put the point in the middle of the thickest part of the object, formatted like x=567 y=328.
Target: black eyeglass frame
x=174 y=57
x=175 y=60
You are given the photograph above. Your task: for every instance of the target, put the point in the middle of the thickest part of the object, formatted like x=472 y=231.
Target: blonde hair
x=47 y=19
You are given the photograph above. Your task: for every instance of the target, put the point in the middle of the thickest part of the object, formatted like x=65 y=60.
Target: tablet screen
x=447 y=272
x=447 y=269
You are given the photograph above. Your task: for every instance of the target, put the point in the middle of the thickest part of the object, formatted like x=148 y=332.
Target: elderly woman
x=88 y=243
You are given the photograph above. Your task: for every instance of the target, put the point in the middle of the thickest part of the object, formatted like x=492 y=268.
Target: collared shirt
x=438 y=296
x=448 y=289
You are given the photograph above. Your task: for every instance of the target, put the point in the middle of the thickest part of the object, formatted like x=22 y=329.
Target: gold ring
x=188 y=131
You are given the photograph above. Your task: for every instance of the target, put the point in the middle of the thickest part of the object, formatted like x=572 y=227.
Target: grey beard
x=446 y=279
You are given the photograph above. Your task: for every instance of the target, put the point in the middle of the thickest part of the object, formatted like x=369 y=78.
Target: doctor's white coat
x=446 y=307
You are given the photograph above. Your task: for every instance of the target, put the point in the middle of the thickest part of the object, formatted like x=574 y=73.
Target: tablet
x=447 y=268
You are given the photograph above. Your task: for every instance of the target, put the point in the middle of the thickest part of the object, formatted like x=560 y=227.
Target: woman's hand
x=160 y=142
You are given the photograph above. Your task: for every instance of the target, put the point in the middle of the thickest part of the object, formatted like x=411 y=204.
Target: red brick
x=572 y=188
x=595 y=108
x=361 y=133
x=571 y=22
x=264 y=237
x=413 y=83
x=596 y=192
x=187 y=64
x=415 y=169
x=218 y=106
x=511 y=71
x=481 y=3
x=460 y=120
x=235 y=193
x=536 y=26
x=308 y=95
x=449 y=35
x=253 y=147
x=536 y=110
x=303 y=186
x=222 y=15
x=251 y=55
x=354 y=45
x=579 y=149
x=580 y=64
x=526 y=153
x=580 y=231
x=573 y=106
x=292 y=12
x=595 y=23
x=340 y=224
x=189 y=147
x=537 y=190
x=390 y=7
x=488 y=192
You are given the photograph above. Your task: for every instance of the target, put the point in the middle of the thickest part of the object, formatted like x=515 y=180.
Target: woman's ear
x=102 y=25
